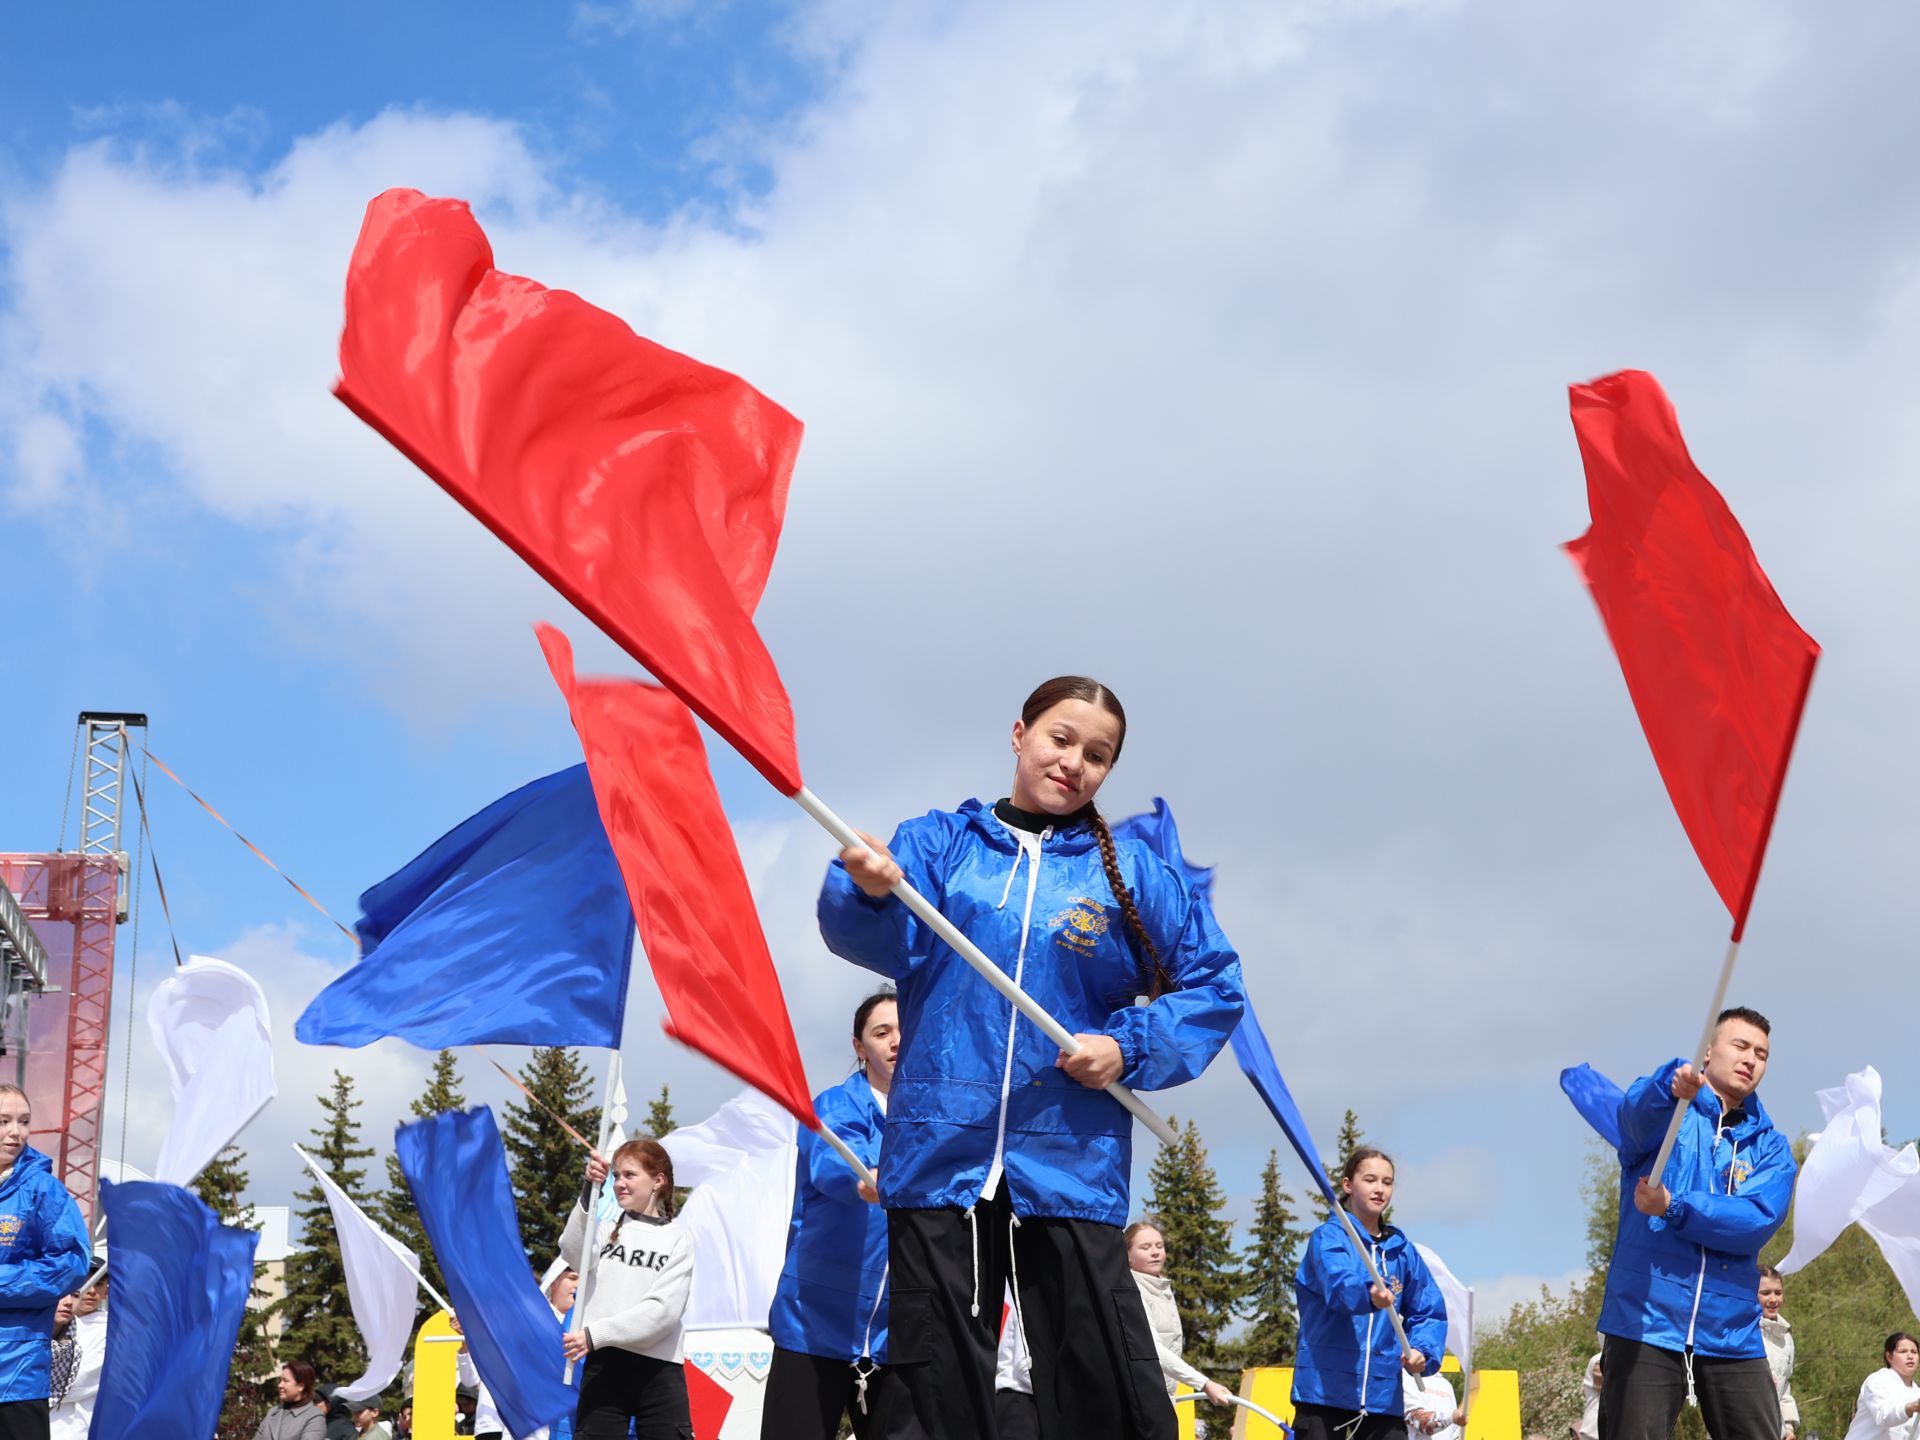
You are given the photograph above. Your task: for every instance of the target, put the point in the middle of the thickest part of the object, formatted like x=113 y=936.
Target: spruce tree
x=315 y=1310
x=1185 y=1204
x=397 y=1212
x=1269 y=1262
x=1349 y=1140
x=660 y=1119
x=546 y=1163
x=220 y=1187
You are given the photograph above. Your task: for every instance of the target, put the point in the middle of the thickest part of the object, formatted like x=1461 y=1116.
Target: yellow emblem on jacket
x=10 y=1227
x=1080 y=926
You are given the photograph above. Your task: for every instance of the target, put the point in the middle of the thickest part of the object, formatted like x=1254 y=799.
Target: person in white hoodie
x=1778 y=1335
x=1889 y=1403
x=632 y=1302
x=1147 y=1258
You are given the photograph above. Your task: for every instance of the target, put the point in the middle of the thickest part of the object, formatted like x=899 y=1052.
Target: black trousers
x=24 y=1419
x=808 y=1394
x=617 y=1386
x=1096 y=1375
x=1014 y=1415
x=1329 y=1422
x=1642 y=1390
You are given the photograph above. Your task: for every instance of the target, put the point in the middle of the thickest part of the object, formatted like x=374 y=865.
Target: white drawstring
x=1010 y=874
x=861 y=1376
x=973 y=1229
x=1019 y=1315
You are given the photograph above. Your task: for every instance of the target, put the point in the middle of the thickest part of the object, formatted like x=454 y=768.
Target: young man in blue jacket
x=1682 y=1317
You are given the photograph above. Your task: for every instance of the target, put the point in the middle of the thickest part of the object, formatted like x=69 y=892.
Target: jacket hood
x=1775 y=1327
x=31 y=1162
x=1753 y=1114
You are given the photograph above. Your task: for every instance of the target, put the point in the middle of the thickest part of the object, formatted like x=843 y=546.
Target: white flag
x=209 y=1019
x=381 y=1280
x=1852 y=1176
x=1459 y=1309
x=740 y=1163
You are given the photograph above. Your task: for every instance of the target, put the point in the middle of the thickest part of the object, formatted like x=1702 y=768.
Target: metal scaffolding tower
x=65 y=1046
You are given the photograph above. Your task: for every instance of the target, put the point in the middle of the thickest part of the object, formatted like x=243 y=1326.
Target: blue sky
x=1218 y=350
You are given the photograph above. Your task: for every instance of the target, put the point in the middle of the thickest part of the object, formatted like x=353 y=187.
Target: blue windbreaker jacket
x=831 y=1300
x=974 y=1092
x=1693 y=1278
x=1349 y=1356
x=44 y=1254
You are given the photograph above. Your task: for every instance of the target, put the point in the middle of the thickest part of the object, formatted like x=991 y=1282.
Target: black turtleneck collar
x=1032 y=821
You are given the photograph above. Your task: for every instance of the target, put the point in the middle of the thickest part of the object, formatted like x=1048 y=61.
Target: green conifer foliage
x=547 y=1165
x=1268 y=1264
x=1185 y=1203
x=319 y=1323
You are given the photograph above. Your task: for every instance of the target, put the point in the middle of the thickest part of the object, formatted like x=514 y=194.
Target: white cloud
x=1217 y=350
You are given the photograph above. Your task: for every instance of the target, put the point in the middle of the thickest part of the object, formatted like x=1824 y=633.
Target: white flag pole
x=974 y=956
x=589 y=1201
x=1706 y=1039
x=1393 y=1311
x=845 y=1152
x=406 y=1257
x=1470 y=1382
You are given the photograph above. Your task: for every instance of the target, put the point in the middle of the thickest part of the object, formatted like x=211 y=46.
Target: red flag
x=708 y=1403
x=1717 y=668
x=647 y=488
x=690 y=897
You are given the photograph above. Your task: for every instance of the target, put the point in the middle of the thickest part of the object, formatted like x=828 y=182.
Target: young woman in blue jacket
x=1346 y=1376
x=829 y=1318
x=1004 y=1162
x=44 y=1255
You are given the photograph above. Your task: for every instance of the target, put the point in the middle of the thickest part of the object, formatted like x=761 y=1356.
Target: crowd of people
x=985 y=1285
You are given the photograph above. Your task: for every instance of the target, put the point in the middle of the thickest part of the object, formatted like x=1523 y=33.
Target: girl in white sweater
x=632 y=1303
x=1147 y=1258
x=1889 y=1403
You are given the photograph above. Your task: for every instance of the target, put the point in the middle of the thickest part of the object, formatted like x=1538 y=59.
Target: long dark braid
x=1154 y=980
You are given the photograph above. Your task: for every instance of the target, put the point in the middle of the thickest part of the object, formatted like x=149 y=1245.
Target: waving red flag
x=690 y=897
x=1717 y=668
x=647 y=488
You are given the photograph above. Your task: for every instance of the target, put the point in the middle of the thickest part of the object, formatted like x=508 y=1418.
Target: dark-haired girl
x=1889 y=1403
x=1003 y=1160
x=1346 y=1376
x=829 y=1318
x=632 y=1303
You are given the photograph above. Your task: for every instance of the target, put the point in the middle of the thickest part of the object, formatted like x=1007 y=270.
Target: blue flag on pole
x=514 y=927
x=180 y=1284
x=457 y=1169
x=1162 y=836
x=1250 y=1046
x=1596 y=1098
x=1255 y=1055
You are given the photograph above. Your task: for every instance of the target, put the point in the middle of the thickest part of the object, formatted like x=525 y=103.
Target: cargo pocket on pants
x=909 y=1326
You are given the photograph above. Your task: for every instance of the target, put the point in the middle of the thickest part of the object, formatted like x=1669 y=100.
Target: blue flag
x=180 y=1284
x=1596 y=1098
x=1250 y=1045
x=514 y=927
x=457 y=1170
x=1162 y=836
x=1250 y=1048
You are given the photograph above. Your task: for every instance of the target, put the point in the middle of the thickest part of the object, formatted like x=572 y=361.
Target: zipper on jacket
x=1029 y=848
x=1373 y=1318
x=1700 y=1280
